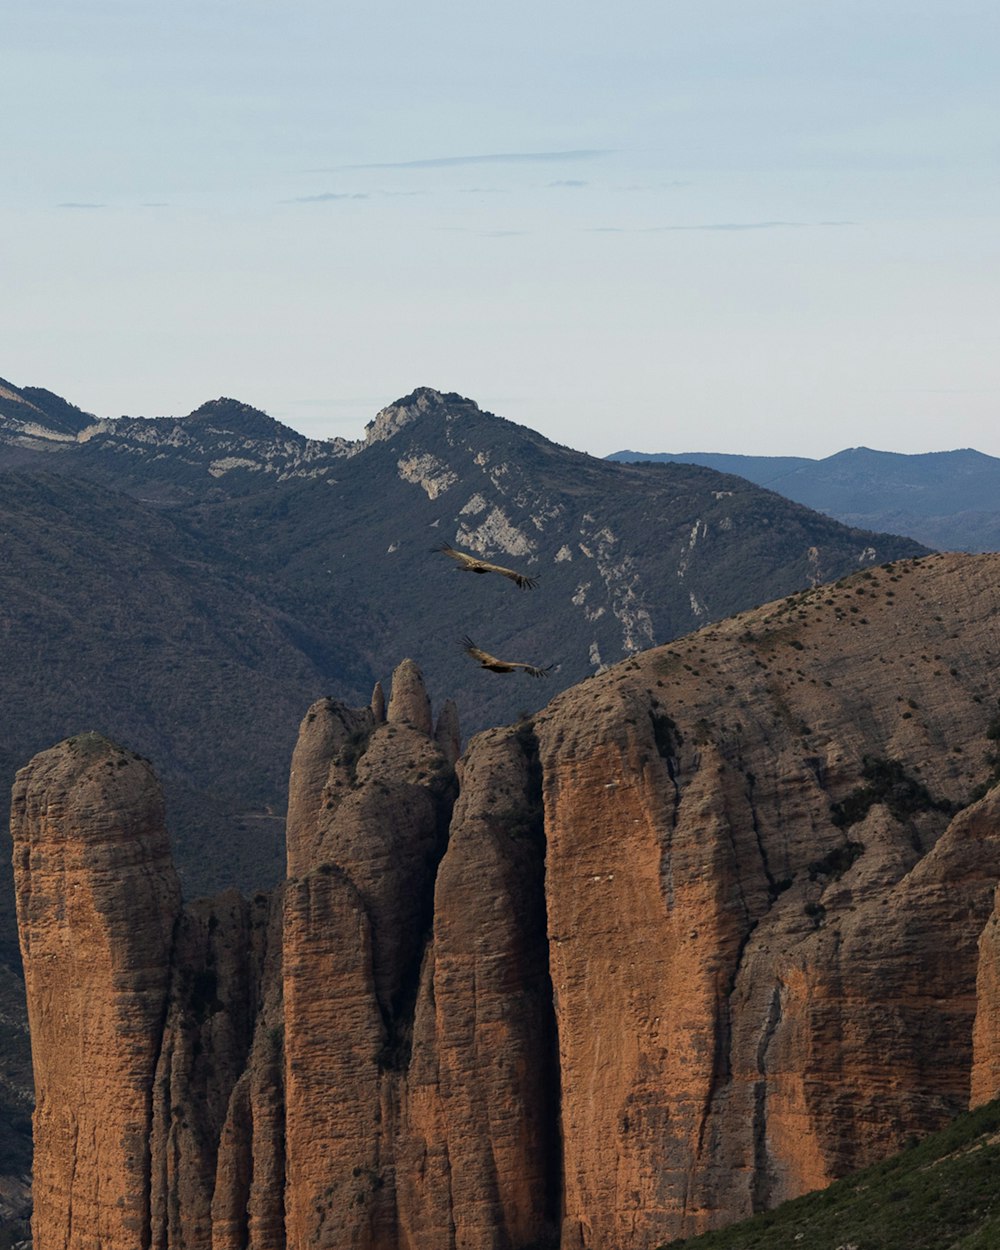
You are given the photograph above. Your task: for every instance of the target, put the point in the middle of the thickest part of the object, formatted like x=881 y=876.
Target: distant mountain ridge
x=947 y=499
x=336 y=531
x=170 y=460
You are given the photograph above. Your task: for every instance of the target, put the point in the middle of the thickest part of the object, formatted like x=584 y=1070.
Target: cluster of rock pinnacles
x=593 y=984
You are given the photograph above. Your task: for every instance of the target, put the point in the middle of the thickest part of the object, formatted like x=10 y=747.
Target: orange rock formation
x=715 y=928
x=97 y=898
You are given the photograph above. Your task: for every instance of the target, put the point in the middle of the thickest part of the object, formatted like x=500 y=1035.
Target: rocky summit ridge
x=187 y=456
x=715 y=927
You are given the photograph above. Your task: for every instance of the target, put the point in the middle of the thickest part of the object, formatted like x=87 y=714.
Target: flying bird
x=472 y=564
x=501 y=666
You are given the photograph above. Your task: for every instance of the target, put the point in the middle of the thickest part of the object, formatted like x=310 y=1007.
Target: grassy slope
x=941 y=1194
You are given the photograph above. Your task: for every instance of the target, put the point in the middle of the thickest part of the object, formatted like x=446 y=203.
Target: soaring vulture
x=501 y=666
x=472 y=564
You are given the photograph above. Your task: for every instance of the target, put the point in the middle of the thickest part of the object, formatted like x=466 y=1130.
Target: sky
x=664 y=225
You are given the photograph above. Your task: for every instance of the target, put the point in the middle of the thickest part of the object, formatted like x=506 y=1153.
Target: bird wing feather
x=533 y=670
x=465 y=560
x=474 y=564
x=477 y=653
x=502 y=666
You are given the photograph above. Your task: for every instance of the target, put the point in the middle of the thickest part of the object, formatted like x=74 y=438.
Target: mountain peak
x=232 y=416
x=424 y=401
x=36 y=416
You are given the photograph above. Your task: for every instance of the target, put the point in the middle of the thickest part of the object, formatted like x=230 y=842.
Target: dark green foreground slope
x=942 y=1194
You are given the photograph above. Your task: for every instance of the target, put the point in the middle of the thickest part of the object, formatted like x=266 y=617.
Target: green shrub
x=887 y=783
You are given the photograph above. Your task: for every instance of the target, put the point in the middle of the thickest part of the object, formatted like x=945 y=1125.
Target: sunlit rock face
x=713 y=929
x=97 y=901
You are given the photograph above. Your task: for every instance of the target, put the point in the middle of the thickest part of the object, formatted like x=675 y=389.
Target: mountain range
x=149 y=561
x=949 y=500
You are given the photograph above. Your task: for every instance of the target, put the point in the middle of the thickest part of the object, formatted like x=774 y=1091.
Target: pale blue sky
x=729 y=226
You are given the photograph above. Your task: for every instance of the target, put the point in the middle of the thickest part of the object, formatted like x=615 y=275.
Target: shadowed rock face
x=214 y=1044
x=986 y=1037
x=714 y=929
x=477 y=1153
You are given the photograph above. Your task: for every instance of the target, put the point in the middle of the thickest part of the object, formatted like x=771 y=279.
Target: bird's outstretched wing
x=473 y=564
x=501 y=666
x=533 y=670
x=484 y=657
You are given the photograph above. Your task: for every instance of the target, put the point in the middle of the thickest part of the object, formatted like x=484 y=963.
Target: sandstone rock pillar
x=326 y=729
x=97 y=899
x=646 y=914
x=478 y=1156
x=408 y=701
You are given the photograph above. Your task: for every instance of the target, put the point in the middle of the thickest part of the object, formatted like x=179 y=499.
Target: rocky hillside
x=35 y=420
x=168 y=460
x=713 y=929
x=114 y=616
x=627 y=555
x=946 y=499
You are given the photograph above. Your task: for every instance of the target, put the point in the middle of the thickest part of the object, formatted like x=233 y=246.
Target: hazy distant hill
x=946 y=499
x=116 y=615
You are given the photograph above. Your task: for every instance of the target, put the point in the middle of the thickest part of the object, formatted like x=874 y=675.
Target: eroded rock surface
x=478 y=1145
x=714 y=929
x=97 y=899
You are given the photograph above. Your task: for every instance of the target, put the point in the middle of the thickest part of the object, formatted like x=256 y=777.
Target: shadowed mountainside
x=192 y=630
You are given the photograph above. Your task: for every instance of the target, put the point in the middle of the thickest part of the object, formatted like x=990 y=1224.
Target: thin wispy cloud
x=756 y=225
x=486 y=158
x=921 y=390
x=738 y=225
x=569 y=182
x=79 y=204
x=327 y=197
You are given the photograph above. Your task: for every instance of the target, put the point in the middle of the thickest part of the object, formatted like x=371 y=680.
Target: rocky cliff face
x=97 y=901
x=713 y=929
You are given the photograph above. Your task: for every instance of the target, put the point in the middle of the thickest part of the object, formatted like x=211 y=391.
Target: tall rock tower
x=97 y=901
